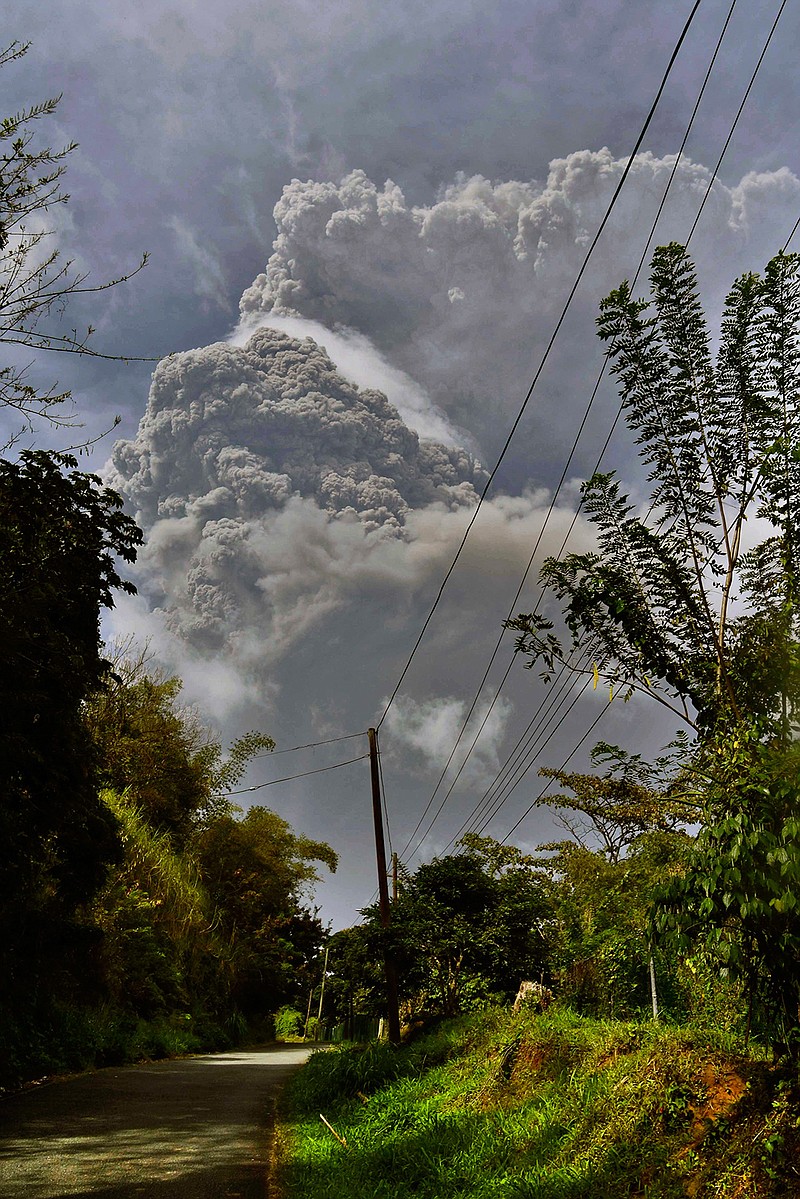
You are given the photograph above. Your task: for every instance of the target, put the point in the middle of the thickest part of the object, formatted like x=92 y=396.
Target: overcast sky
x=363 y=220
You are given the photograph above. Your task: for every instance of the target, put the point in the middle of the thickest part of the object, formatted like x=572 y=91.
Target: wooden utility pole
x=392 y=1003
x=394 y=878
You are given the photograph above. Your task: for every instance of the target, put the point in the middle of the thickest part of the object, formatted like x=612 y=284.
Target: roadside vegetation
x=667 y=923
x=194 y=925
x=547 y=1106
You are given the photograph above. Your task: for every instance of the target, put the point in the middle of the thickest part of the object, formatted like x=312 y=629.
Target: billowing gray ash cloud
x=269 y=486
x=463 y=294
x=303 y=496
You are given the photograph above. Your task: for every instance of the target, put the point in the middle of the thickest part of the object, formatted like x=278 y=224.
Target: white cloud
x=430 y=728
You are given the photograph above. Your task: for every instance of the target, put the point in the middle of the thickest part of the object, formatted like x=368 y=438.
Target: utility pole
x=394 y=878
x=392 y=1003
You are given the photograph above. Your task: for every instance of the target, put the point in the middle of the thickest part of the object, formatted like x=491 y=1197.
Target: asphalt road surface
x=198 y=1128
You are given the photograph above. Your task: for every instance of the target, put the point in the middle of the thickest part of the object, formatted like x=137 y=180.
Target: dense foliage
x=695 y=603
x=194 y=931
x=59 y=532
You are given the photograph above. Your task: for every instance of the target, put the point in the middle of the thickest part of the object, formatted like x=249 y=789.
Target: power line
x=499 y=641
x=546 y=354
x=552 y=698
x=563 y=766
x=691 y=232
x=594 y=392
x=272 y=753
x=304 y=774
x=527 y=757
x=736 y=118
x=562 y=479
x=527 y=747
x=513 y=656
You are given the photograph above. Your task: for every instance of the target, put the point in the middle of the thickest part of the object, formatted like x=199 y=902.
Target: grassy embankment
x=543 y=1107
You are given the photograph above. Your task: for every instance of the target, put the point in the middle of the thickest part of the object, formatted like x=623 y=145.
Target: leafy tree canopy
x=695 y=603
x=159 y=752
x=681 y=603
x=466 y=926
x=60 y=530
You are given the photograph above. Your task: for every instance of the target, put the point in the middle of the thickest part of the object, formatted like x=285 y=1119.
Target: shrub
x=288 y=1023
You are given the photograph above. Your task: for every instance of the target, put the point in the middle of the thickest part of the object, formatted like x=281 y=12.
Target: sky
x=363 y=221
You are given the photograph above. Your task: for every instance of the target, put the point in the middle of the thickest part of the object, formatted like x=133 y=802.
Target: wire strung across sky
x=545 y=788
x=271 y=753
x=575 y=443
x=580 y=430
x=303 y=774
x=736 y=118
x=567 y=305
x=528 y=746
x=563 y=766
x=516 y=764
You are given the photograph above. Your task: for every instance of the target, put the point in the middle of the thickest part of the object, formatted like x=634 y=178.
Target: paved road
x=191 y=1129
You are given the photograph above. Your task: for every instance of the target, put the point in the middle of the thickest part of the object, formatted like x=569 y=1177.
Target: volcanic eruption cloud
x=303 y=485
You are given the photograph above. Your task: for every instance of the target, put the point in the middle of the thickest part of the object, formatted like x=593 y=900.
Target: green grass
x=548 y=1107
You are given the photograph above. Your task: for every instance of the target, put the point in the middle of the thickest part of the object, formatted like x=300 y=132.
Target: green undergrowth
x=555 y=1106
x=61 y=1039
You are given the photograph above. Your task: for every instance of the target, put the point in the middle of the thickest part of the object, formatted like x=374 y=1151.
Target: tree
x=159 y=753
x=60 y=531
x=357 y=984
x=160 y=950
x=255 y=870
x=467 y=926
x=630 y=799
x=677 y=604
x=35 y=283
x=626 y=843
x=687 y=606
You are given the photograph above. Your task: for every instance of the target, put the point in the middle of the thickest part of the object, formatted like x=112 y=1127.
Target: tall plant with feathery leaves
x=688 y=606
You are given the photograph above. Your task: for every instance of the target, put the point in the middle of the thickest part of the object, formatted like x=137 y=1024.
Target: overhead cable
x=694 y=227
x=272 y=753
x=736 y=119
x=638 y=271
x=562 y=478
x=546 y=355
x=563 y=766
x=304 y=774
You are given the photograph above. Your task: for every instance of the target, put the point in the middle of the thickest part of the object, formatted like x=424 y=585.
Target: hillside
x=554 y=1106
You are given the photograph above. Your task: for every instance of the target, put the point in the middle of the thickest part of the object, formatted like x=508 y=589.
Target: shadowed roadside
x=187 y=1129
